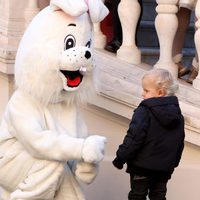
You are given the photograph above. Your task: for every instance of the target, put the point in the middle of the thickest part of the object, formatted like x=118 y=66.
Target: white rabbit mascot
x=45 y=149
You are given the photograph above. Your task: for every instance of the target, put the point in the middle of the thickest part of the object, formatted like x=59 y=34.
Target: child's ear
x=161 y=92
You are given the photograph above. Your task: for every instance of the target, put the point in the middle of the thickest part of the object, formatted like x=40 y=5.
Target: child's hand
x=93 y=149
x=118 y=163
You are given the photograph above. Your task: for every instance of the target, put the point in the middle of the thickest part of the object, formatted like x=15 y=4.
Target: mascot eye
x=69 y=42
x=88 y=44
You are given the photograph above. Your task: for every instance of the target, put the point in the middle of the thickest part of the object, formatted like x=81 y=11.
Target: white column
x=31 y=10
x=129 y=12
x=196 y=82
x=99 y=37
x=166 y=24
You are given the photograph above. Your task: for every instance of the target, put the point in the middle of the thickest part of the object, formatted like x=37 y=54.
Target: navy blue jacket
x=155 y=139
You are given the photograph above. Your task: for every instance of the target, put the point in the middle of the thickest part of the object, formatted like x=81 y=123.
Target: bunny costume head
x=56 y=49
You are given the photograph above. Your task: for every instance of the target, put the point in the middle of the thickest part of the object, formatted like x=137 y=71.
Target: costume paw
x=93 y=149
x=86 y=172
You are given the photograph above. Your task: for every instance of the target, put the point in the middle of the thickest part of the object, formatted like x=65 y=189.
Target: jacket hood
x=165 y=109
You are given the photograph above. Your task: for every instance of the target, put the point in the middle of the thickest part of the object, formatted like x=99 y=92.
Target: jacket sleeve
x=135 y=136
x=181 y=147
x=178 y=158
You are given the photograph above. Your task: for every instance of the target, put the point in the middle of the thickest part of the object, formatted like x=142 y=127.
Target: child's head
x=158 y=83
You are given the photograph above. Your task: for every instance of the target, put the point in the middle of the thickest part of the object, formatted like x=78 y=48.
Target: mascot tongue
x=73 y=82
x=74 y=78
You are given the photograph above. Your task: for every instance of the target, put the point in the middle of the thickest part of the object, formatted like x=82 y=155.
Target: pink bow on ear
x=96 y=8
x=71 y=7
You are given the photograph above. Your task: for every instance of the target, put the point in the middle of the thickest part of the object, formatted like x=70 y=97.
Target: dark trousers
x=141 y=187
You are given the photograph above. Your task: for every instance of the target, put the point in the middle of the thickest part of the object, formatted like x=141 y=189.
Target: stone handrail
x=166 y=25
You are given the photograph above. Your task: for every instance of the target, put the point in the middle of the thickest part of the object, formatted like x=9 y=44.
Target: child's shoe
x=193 y=74
x=182 y=70
x=113 y=46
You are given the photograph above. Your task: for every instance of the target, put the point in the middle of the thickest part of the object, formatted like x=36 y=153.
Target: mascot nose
x=87 y=54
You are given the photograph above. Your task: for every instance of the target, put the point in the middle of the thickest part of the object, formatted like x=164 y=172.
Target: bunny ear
x=71 y=7
x=97 y=10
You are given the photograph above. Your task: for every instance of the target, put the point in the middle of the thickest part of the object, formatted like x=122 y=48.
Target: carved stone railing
x=129 y=12
x=99 y=37
x=166 y=24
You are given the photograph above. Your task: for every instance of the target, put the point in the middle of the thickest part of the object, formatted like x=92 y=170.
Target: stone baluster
x=129 y=12
x=31 y=10
x=166 y=24
x=196 y=82
x=99 y=37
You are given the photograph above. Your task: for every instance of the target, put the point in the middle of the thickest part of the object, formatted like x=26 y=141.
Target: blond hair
x=163 y=80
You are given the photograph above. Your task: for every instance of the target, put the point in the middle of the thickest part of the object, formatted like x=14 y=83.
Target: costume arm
x=27 y=126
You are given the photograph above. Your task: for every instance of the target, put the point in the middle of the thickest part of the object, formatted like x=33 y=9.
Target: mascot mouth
x=73 y=78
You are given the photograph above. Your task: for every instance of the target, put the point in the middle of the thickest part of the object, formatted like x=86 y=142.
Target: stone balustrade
x=129 y=12
x=166 y=24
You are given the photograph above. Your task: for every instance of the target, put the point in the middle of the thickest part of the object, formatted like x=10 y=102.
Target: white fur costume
x=44 y=147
